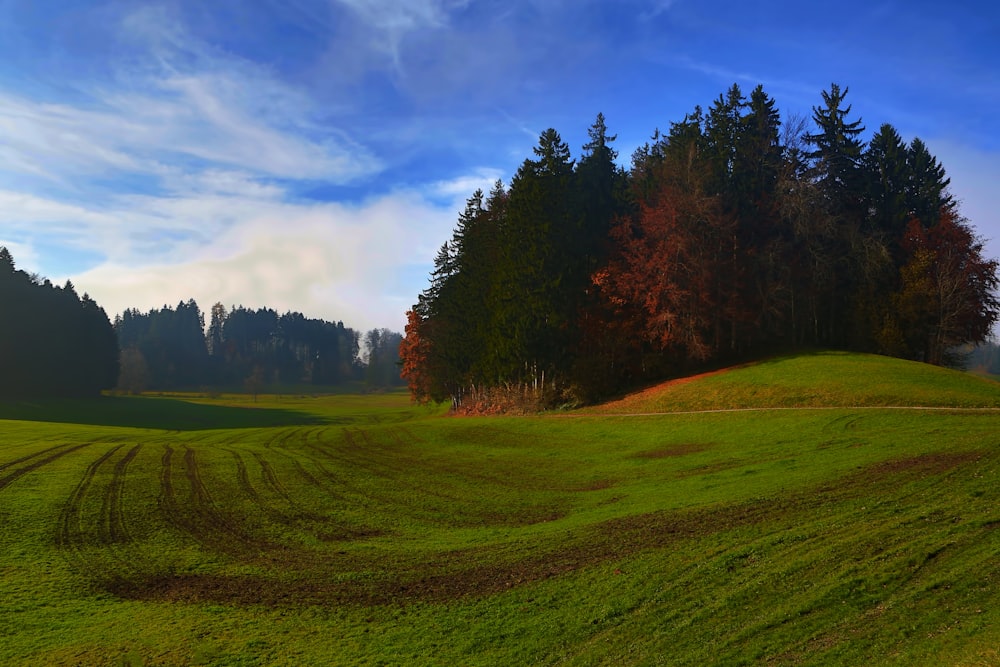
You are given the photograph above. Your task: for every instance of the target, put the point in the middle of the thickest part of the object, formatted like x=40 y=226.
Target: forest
x=55 y=343
x=52 y=341
x=735 y=234
x=170 y=348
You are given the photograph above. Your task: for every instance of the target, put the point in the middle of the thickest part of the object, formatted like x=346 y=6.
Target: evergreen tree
x=837 y=153
x=926 y=189
x=535 y=313
x=836 y=168
x=888 y=179
x=52 y=342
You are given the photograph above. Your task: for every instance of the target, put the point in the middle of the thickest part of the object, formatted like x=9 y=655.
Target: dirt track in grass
x=484 y=571
x=53 y=453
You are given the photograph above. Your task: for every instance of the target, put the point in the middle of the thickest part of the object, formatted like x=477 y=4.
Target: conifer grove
x=735 y=234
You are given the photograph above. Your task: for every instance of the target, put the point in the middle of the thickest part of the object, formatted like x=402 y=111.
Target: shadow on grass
x=147 y=412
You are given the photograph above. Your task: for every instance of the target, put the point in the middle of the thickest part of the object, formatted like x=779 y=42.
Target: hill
x=820 y=379
x=365 y=530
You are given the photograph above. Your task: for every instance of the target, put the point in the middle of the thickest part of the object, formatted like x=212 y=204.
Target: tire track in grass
x=267 y=471
x=478 y=572
x=28 y=457
x=279 y=443
x=360 y=451
x=167 y=499
x=271 y=481
x=336 y=487
x=10 y=478
x=200 y=495
x=113 y=529
x=295 y=514
x=171 y=506
x=202 y=518
x=243 y=478
x=71 y=537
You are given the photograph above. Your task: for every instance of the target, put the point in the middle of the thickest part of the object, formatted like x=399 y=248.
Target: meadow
x=811 y=510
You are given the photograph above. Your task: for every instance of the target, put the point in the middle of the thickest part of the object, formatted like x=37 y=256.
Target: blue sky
x=312 y=155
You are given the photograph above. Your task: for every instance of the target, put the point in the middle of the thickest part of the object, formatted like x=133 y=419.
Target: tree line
x=734 y=234
x=170 y=348
x=56 y=343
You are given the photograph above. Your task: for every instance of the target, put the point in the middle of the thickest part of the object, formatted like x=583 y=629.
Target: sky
x=312 y=155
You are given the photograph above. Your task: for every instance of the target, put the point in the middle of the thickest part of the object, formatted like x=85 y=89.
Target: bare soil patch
x=671 y=451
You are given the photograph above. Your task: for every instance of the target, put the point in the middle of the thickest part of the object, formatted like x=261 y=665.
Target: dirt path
x=938 y=408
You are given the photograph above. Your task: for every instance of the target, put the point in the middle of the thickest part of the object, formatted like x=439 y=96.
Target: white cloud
x=462 y=187
x=174 y=181
x=392 y=20
x=326 y=260
x=24 y=254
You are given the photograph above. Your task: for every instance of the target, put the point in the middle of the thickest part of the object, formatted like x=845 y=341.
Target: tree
x=382 y=365
x=666 y=268
x=52 y=341
x=835 y=167
x=926 y=187
x=948 y=293
x=888 y=179
x=254 y=383
x=837 y=153
x=533 y=316
x=216 y=328
x=415 y=356
x=134 y=373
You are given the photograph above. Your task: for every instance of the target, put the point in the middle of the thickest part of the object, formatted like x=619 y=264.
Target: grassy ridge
x=365 y=531
x=822 y=379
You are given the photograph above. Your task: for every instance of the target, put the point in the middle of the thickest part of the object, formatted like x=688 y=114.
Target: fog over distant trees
x=54 y=342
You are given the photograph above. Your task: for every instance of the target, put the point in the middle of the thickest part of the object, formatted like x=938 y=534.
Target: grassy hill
x=821 y=379
x=363 y=530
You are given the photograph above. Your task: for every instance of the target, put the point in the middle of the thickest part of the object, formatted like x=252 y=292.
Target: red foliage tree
x=947 y=295
x=414 y=353
x=667 y=264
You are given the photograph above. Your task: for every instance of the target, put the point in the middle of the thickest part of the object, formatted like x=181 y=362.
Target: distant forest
x=733 y=235
x=170 y=348
x=56 y=343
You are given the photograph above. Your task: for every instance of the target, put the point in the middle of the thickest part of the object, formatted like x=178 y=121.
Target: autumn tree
x=415 y=355
x=948 y=292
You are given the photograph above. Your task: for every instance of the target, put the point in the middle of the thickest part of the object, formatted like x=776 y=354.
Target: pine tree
x=535 y=312
x=837 y=153
x=888 y=179
x=926 y=188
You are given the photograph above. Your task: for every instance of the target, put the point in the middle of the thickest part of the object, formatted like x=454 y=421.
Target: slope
x=820 y=379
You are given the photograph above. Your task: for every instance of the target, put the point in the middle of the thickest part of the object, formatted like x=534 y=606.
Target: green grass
x=364 y=530
x=821 y=379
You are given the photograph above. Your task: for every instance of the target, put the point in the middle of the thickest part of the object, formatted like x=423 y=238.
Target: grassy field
x=363 y=530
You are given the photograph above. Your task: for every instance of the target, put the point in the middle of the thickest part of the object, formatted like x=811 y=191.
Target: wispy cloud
x=392 y=20
x=331 y=260
x=178 y=101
